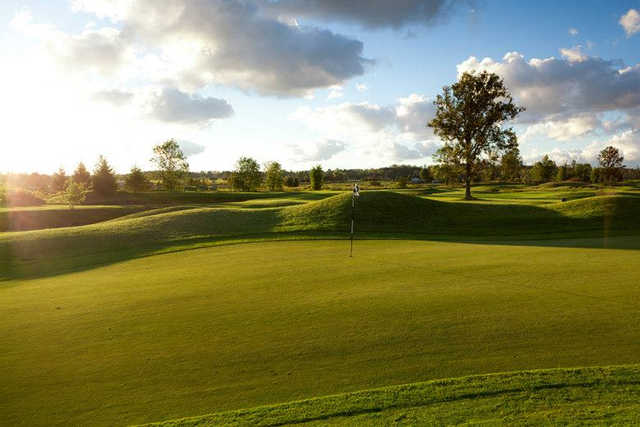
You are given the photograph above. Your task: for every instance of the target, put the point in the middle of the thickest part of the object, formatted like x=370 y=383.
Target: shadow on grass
x=611 y=222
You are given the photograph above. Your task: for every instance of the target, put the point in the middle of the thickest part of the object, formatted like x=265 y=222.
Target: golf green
x=205 y=330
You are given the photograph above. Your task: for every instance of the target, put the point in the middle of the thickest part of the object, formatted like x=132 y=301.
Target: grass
x=237 y=326
x=379 y=214
x=188 y=306
x=51 y=216
x=602 y=396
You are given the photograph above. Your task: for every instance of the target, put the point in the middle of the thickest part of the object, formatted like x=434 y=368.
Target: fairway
x=236 y=326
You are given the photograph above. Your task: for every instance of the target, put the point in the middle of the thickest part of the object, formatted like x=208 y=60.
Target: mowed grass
x=237 y=326
x=582 y=396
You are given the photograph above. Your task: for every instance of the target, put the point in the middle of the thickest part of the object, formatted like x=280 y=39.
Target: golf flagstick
x=354 y=196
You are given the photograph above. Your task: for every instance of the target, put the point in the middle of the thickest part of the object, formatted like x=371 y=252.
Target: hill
x=378 y=214
x=601 y=396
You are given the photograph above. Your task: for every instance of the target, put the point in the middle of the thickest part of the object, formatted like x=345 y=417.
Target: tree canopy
x=171 y=163
x=246 y=176
x=104 y=179
x=468 y=118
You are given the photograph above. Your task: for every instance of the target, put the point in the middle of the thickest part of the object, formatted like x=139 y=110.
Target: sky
x=305 y=82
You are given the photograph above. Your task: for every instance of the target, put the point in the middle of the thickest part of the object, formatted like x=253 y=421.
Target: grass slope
x=35 y=218
x=582 y=396
x=378 y=214
x=239 y=326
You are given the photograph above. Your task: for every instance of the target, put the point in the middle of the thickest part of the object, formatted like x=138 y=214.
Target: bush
x=291 y=181
x=22 y=198
x=402 y=182
x=316 y=175
x=375 y=184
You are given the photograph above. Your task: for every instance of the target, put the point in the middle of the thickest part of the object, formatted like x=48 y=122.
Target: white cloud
x=558 y=86
x=323 y=150
x=573 y=31
x=191 y=148
x=630 y=21
x=172 y=105
x=232 y=43
x=417 y=151
x=361 y=87
x=335 y=91
x=564 y=129
x=574 y=54
x=114 y=96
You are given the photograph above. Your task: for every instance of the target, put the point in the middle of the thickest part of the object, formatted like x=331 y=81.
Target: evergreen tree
x=81 y=175
x=136 y=181
x=103 y=179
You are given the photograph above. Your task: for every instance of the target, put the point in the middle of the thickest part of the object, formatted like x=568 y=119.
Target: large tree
x=273 y=176
x=468 y=118
x=171 y=163
x=610 y=160
x=246 y=176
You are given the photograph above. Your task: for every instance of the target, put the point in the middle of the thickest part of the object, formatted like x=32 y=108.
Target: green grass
x=51 y=216
x=379 y=214
x=598 y=396
x=200 y=304
x=237 y=326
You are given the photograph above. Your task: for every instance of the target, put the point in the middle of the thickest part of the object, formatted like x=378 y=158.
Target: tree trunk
x=467 y=183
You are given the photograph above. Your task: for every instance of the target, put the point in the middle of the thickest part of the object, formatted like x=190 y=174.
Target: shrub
x=402 y=182
x=316 y=175
x=291 y=181
x=22 y=198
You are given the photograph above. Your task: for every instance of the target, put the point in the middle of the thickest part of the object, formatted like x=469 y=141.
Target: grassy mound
x=607 y=395
x=381 y=213
x=35 y=218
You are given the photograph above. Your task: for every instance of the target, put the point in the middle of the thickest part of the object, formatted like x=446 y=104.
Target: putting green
x=200 y=331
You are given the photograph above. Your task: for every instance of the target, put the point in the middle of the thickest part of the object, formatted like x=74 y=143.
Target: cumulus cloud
x=418 y=151
x=369 y=13
x=361 y=87
x=559 y=86
x=231 y=42
x=335 y=91
x=573 y=31
x=191 y=148
x=323 y=150
x=574 y=54
x=114 y=97
x=172 y=105
x=565 y=129
x=630 y=21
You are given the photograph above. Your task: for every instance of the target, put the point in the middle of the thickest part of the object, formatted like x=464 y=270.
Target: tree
x=425 y=174
x=583 y=172
x=291 y=181
x=273 y=176
x=171 y=163
x=104 y=180
x=562 y=173
x=136 y=181
x=59 y=181
x=544 y=170
x=316 y=175
x=246 y=176
x=610 y=160
x=402 y=182
x=510 y=165
x=75 y=194
x=81 y=175
x=468 y=118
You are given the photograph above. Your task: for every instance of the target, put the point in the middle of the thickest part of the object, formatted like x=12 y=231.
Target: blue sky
x=90 y=77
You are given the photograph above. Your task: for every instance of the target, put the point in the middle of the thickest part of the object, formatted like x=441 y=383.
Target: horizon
x=306 y=83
